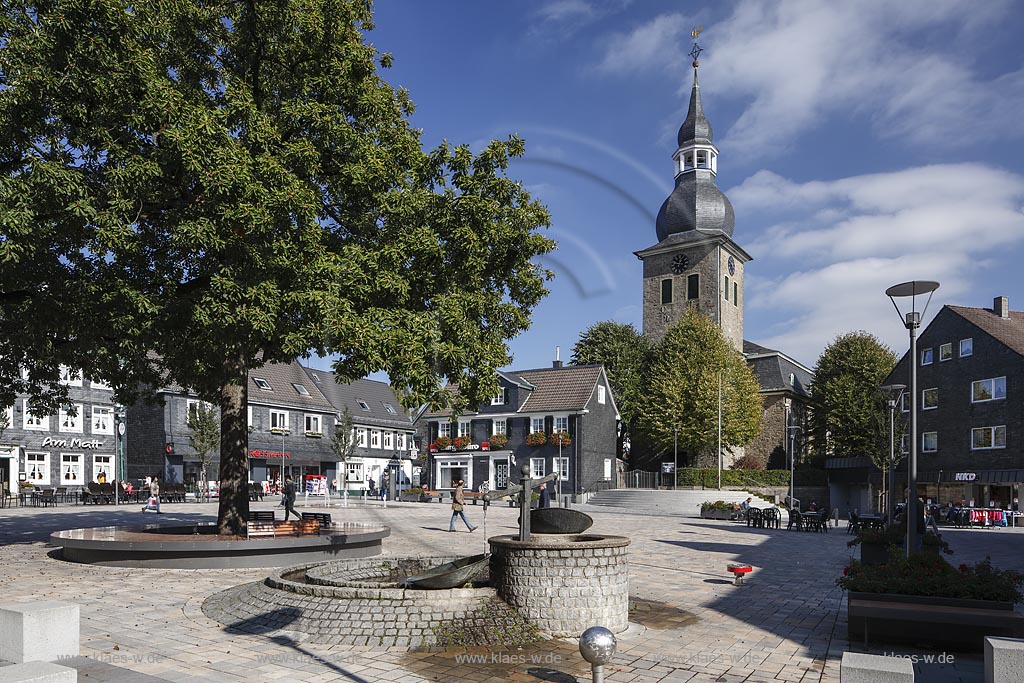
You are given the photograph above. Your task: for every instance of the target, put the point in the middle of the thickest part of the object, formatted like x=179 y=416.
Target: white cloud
x=565 y=10
x=651 y=45
x=840 y=244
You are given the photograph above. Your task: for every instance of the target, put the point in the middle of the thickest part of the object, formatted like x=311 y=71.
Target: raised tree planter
x=954 y=623
x=874 y=553
x=713 y=513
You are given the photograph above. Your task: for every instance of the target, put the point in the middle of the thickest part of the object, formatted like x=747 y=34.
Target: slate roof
x=282 y=377
x=371 y=392
x=773 y=370
x=1008 y=331
x=696 y=127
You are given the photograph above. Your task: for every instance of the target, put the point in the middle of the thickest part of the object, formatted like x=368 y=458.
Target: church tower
x=695 y=262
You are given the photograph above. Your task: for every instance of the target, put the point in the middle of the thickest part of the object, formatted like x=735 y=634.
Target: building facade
x=521 y=426
x=70 y=449
x=970 y=380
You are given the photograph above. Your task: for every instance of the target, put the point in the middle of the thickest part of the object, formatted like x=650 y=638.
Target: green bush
x=709 y=477
x=716 y=505
x=930 y=575
x=413 y=491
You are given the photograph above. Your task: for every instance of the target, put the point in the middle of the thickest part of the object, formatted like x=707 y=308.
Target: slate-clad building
x=69 y=449
x=785 y=390
x=576 y=400
x=970 y=379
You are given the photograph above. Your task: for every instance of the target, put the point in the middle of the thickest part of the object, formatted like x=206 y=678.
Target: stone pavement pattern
x=688 y=622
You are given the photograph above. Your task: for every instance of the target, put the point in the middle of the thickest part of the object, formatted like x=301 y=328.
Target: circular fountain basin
x=198 y=546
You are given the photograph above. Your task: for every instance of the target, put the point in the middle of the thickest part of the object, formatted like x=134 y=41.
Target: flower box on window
x=560 y=439
x=461 y=442
x=441 y=443
x=279 y=430
x=498 y=441
x=536 y=439
x=315 y=435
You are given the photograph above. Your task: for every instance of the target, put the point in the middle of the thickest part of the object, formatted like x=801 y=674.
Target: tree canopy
x=189 y=190
x=624 y=352
x=683 y=391
x=849 y=416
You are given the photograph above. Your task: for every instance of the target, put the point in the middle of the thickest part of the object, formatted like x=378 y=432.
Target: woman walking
x=458 y=507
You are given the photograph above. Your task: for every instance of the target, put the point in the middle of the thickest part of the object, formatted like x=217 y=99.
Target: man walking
x=154 y=495
x=289 y=499
x=458 y=507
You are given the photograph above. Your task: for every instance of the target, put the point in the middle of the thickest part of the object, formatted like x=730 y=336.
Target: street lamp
x=719 y=430
x=890 y=506
x=675 y=456
x=912 y=320
x=119 y=430
x=792 y=429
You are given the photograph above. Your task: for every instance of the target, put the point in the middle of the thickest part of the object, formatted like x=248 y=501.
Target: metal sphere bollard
x=597 y=645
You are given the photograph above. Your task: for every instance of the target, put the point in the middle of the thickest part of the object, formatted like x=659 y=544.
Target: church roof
x=696 y=127
x=775 y=371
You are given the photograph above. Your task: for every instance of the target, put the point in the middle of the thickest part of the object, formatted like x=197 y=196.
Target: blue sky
x=862 y=144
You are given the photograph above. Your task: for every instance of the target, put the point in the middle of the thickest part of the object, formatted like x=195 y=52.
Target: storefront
x=474 y=468
x=274 y=466
x=60 y=462
x=980 y=488
x=9 y=468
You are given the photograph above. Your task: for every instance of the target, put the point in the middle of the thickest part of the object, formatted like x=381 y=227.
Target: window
x=71 y=469
x=300 y=389
x=37 y=468
x=68 y=422
x=248 y=416
x=313 y=424
x=192 y=406
x=666 y=292
x=388 y=440
x=72 y=378
x=735 y=293
x=926 y=357
x=600 y=394
x=536 y=425
x=966 y=347
x=988 y=437
x=102 y=420
x=98 y=384
x=361 y=437
x=363 y=404
x=34 y=422
x=903 y=444
x=988 y=390
x=930 y=399
x=929 y=442
x=702 y=159
x=904 y=402
x=354 y=471
x=562 y=423
x=444 y=429
x=103 y=464
x=536 y=468
x=945 y=352
x=388 y=407
x=608 y=469
x=447 y=470
x=726 y=290
x=316 y=378
x=464 y=428
x=262 y=384
x=693 y=286
x=278 y=419
x=374 y=438
x=400 y=441
x=562 y=468
x=501 y=399
x=498 y=427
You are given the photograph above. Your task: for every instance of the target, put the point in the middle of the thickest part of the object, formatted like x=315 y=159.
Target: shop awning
x=975 y=477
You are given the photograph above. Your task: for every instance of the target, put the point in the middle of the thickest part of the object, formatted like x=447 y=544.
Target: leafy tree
x=204 y=439
x=683 y=391
x=849 y=416
x=343 y=444
x=206 y=187
x=624 y=353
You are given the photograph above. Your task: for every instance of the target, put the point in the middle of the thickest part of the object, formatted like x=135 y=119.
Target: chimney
x=558 y=357
x=1001 y=306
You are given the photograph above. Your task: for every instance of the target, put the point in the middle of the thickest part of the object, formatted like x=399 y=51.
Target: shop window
x=37 y=468
x=103 y=468
x=71 y=469
x=449 y=471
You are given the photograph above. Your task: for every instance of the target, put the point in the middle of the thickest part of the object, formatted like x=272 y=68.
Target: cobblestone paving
x=688 y=622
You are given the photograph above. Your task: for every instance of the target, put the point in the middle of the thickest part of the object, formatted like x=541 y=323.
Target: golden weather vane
x=695 y=52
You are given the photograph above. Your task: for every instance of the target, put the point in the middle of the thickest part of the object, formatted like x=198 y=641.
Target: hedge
x=708 y=477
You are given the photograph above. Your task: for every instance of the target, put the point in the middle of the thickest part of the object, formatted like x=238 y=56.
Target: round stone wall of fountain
x=563 y=582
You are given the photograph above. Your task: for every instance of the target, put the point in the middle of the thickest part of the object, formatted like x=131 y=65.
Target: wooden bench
x=254 y=528
x=303 y=527
x=471 y=496
x=261 y=515
x=948 y=625
x=434 y=495
x=324 y=518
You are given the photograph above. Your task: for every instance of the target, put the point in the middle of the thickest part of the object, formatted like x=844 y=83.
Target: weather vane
x=697 y=49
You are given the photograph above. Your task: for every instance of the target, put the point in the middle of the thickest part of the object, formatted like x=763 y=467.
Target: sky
x=861 y=145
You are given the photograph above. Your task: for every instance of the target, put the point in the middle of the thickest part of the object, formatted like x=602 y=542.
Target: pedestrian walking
x=545 y=497
x=458 y=507
x=289 y=499
x=154 y=496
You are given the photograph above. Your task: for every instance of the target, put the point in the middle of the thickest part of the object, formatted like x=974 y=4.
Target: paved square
x=688 y=621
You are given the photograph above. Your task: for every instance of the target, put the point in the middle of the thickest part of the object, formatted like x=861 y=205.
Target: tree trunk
x=233 y=510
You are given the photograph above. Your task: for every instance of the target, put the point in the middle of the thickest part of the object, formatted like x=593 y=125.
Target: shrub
x=716 y=505
x=891 y=535
x=560 y=439
x=413 y=491
x=930 y=575
x=536 y=439
x=498 y=440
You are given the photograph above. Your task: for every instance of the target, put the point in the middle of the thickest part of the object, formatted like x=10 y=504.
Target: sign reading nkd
x=965 y=476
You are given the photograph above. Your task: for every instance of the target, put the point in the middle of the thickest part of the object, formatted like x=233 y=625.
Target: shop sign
x=254 y=453
x=472 y=447
x=50 y=442
x=965 y=476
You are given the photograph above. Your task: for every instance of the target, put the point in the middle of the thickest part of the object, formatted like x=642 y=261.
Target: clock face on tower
x=680 y=263
x=732 y=266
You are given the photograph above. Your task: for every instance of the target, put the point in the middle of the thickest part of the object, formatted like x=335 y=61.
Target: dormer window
x=501 y=399
x=388 y=407
x=262 y=384
x=301 y=389
x=363 y=404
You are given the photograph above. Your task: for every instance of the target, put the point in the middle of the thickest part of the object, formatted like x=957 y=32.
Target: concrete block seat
x=38 y=672
x=39 y=631
x=1004 y=660
x=862 y=668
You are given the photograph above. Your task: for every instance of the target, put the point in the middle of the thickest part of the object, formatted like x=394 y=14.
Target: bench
x=434 y=495
x=471 y=496
x=324 y=518
x=949 y=625
x=303 y=527
x=254 y=528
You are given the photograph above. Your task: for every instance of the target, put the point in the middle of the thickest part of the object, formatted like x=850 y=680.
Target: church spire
x=696 y=127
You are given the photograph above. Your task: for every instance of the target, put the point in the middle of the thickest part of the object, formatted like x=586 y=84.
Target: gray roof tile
x=1008 y=331
x=354 y=395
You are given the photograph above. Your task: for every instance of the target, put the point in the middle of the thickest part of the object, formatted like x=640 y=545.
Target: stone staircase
x=683 y=502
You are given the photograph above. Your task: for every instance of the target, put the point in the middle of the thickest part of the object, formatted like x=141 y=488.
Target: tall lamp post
x=912 y=320
x=675 y=456
x=792 y=429
x=119 y=430
x=719 y=430
x=890 y=505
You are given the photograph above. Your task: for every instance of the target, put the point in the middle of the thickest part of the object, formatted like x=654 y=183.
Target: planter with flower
x=460 y=442
x=923 y=598
x=498 y=441
x=560 y=439
x=440 y=443
x=718 y=509
x=878 y=545
x=536 y=439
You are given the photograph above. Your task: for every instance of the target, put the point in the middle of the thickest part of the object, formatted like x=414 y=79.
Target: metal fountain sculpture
x=525 y=493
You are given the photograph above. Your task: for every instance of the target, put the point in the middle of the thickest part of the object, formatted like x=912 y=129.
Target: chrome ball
x=597 y=645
